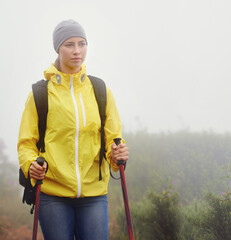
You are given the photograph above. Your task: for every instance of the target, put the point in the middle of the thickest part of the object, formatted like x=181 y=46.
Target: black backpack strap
x=41 y=103
x=101 y=98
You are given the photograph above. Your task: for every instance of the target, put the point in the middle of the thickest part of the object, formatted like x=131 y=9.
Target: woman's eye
x=82 y=44
x=69 y=44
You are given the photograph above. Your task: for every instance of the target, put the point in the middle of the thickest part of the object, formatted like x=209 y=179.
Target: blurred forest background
x=178 y=185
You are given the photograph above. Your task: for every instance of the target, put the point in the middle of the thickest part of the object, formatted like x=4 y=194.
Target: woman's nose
x=76 y=49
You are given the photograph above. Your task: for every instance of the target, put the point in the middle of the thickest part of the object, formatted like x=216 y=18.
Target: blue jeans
x=65 y=218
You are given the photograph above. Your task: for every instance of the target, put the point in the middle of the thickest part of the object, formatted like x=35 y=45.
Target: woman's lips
x=76 y=59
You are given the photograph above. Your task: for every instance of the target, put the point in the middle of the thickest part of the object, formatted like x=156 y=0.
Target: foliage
x=192 y=163
x=156 y=218
x=162 y=217
x=207 y=219
x=191 y=218
x=218 y=217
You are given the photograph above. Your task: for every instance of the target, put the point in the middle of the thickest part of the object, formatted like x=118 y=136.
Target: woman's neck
x=64 y=70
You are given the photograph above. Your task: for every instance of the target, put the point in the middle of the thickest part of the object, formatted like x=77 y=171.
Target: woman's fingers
x=36 y=171
x=120 y=152
x=37 y=176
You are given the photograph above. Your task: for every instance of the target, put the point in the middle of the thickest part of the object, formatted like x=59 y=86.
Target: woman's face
x=72 y=54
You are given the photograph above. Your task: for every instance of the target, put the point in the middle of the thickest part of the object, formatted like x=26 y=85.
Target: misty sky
x=167 y=62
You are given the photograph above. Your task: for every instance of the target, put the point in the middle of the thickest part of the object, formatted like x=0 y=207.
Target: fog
x=166 y=62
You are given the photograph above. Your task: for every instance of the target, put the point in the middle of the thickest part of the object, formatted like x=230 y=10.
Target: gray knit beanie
x=65 y=30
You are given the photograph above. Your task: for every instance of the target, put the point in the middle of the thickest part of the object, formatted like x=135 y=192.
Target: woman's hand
x=38 y=172
x=119 y=152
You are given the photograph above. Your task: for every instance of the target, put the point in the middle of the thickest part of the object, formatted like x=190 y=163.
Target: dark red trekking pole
x=125 y=194
x=40 y=161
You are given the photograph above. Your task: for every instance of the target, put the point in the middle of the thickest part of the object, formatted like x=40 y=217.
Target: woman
x=73 y=202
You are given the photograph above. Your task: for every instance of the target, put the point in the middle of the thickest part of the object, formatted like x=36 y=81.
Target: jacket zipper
x=76 y=138
x=83 y=110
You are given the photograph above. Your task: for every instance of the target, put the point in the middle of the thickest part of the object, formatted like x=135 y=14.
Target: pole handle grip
x=40 y=161
x=117 y=141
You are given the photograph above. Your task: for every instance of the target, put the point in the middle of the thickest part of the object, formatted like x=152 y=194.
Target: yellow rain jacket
x=72 y=139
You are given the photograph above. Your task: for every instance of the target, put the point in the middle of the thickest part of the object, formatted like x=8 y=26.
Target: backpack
x=41 y=102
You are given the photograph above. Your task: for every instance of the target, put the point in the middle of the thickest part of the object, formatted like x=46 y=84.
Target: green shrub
x=156 y=218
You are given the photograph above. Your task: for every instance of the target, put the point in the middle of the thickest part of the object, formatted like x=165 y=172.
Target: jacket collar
x=54 y=75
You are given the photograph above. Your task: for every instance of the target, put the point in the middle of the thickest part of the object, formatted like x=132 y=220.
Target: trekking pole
x=121 y=164
x=40 y=161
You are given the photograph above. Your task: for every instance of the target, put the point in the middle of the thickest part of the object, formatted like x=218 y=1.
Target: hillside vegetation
x=178 y=186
